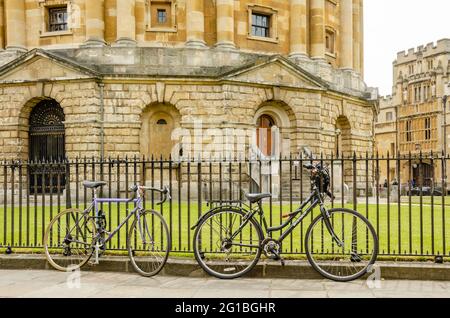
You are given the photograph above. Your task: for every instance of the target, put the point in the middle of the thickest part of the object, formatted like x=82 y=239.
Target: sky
x=391 y=26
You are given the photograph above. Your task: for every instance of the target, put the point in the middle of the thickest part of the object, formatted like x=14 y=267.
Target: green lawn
x=415 y=232
x=426 y=200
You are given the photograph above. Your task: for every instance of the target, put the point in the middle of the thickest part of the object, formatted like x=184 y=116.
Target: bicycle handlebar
x=319 y=168
x=165 y=192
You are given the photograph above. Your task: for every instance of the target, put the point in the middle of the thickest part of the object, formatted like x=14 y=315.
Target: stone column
x=357 y=35
x=195 y=24
x=298 y=28
x=225 y=24
x=346 y=34
x=95 y=23
x=2 y=26
x=361 y=38
x=317 y=13
x=126 y=24
x=15 y=25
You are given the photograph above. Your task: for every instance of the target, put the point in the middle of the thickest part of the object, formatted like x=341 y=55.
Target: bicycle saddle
x=93 y=184
x=256 y=197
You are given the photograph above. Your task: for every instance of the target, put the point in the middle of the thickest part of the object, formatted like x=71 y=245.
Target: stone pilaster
x=317 y=14
x=225 y=24
x=95 y=23
x=195 y=24
x=126 y=24
x=298 y=28
x=357 y=35
x=15 y=25
x=346 y=15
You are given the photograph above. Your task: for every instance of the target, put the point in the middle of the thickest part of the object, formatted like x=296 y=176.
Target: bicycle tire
x=357 y=275
x=165 y=256
x=196 y=241
x=48 y=236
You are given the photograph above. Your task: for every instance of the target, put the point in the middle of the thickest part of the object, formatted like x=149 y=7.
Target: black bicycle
x=340 y=244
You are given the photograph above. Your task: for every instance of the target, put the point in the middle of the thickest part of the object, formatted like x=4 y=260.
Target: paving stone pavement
x=48 y=283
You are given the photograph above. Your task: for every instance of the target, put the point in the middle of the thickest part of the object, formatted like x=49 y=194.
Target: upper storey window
x=57 y=19
x=161 y=15
x=330 y=41
x=261 y=25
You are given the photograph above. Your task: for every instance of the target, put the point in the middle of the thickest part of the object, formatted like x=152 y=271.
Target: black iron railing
x=405 y=198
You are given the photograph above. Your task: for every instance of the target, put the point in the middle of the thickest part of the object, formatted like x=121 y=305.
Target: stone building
x=412 y=119
x=386 y=137
x=117 y=77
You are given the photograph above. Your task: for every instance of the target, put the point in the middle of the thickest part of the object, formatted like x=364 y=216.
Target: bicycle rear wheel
x=68 y=240
x=350 y=261
x=218 y=253
x=149 y=243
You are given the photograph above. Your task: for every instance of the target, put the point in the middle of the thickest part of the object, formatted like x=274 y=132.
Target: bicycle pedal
x=278 y=258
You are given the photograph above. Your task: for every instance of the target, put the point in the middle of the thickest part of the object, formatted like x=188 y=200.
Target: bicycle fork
x=326 y=218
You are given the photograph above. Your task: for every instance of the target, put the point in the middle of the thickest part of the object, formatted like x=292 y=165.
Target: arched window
x=47 y=143
x=265 y=124
x=161 y=122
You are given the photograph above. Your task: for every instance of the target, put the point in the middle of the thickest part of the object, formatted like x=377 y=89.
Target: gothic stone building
x=412 y=119
x=116 y=77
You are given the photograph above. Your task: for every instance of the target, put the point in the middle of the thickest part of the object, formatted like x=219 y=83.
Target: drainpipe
x=102 y=121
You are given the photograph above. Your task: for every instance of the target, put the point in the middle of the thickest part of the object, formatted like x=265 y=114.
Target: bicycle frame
x=94 y=206
x=314 y=200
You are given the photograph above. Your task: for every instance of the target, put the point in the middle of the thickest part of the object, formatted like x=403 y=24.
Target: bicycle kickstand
x=97 y=250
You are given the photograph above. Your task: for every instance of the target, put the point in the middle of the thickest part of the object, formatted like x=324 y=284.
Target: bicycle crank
x=272 y=250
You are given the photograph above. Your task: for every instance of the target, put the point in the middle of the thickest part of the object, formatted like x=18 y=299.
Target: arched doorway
x=47 y=144
x=342 y=171
x=343 y=141
x=264 y=140
x=157 y=140
x=161 y=127
x=159 y=122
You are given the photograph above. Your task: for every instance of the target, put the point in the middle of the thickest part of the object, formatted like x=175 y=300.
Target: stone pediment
x=39 y=65
x=276 y=71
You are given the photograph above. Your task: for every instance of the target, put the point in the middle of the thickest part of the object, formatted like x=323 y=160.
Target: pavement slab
x=53 y=284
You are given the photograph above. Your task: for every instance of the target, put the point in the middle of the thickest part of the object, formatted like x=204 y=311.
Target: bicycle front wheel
x=359 y=248
x=227 y=245
x=149 y=243
x=68 y=240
